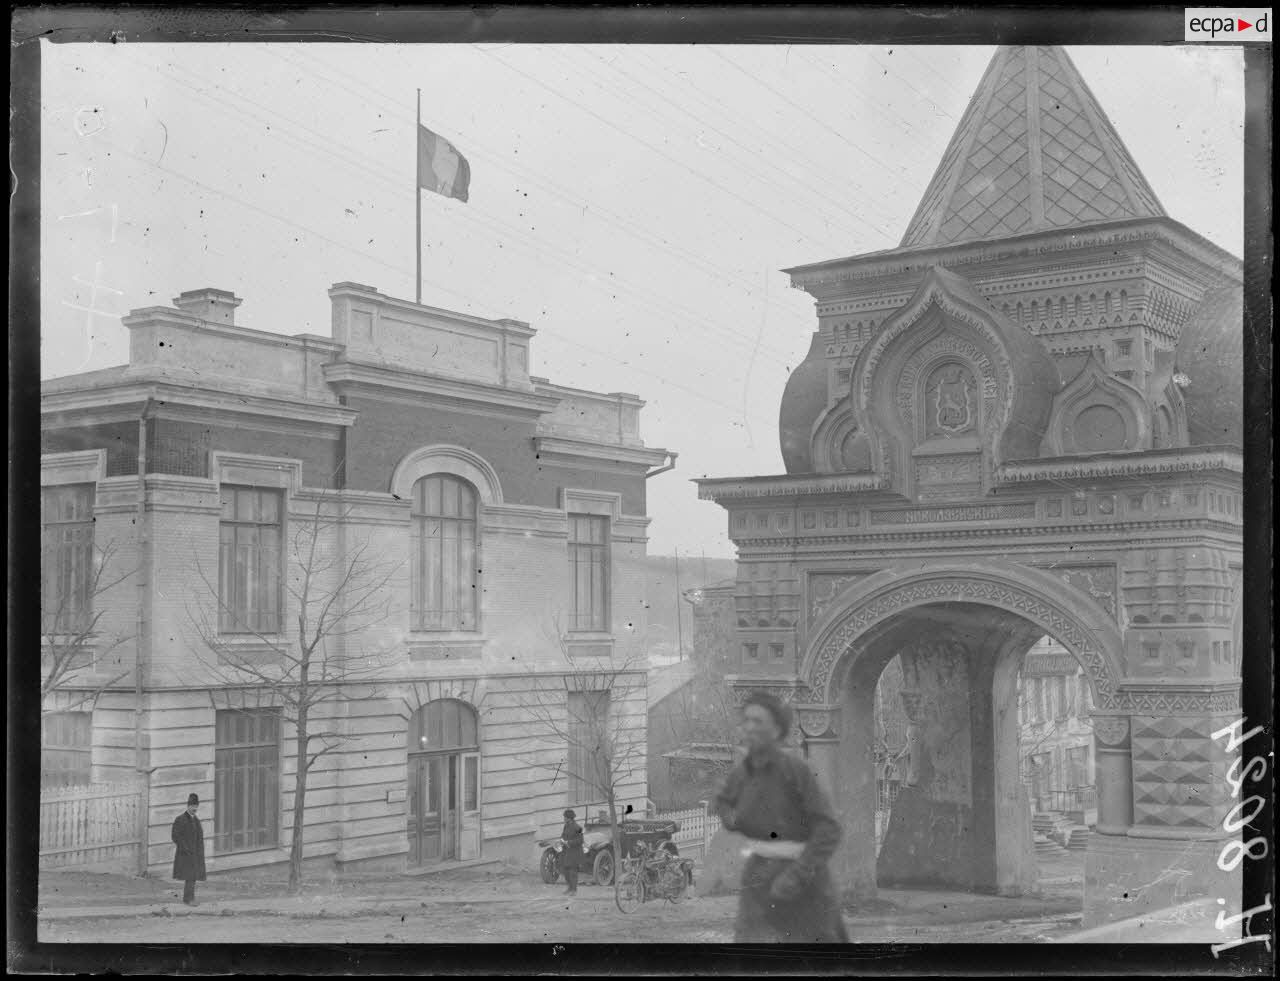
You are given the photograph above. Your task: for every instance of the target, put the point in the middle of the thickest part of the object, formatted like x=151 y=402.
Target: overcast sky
x=633 y=204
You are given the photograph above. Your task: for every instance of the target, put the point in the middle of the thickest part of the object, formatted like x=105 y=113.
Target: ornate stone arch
x=1070 y=616
x=447 y=458
x=1095 y=400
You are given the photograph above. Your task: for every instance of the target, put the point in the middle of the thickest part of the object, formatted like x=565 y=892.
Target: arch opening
x=966 y=756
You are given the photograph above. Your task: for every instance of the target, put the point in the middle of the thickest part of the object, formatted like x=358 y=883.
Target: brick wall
x=386 y=432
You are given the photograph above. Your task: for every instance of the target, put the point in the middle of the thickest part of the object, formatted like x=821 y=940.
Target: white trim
x=577 y=501
x=78 y=467
x=256 y=471
x=450 y=459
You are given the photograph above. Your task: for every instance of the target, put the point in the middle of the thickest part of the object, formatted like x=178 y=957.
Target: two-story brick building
x=505 y=515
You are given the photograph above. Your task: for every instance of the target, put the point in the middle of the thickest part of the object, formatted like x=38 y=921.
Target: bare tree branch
x=338 y=590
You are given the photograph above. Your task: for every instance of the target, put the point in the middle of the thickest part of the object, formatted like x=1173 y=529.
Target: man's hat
x=192 y=799
x=570 y=815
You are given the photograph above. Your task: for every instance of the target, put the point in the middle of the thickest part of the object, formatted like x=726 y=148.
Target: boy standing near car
x=571 y=833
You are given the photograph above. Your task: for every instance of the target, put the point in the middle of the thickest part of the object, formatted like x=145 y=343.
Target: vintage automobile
x=597 y=852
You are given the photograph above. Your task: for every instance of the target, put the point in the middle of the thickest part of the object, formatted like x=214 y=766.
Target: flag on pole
x=441 y=168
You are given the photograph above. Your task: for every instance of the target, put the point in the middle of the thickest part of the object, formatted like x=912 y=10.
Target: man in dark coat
x=188 y=859
x=774 y=799
x=571 y=833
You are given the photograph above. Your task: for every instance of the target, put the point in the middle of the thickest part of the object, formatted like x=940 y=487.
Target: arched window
x=443 y=725
x=443 y=575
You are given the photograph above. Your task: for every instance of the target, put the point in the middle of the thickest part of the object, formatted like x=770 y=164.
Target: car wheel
x=602 y=868
x=549 y=867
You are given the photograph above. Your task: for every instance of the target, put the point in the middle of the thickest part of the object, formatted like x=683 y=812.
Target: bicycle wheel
x=629 y=891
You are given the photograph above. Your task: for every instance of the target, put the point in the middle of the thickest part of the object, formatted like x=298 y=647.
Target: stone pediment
x=946 y=390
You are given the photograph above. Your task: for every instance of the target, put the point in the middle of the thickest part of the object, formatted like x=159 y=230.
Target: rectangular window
x=246 y=780
x=750 y=652
x=1077 y=767
x=66 y=749
x=66 y=558
x=250 y=561
x=588 y=762
x=777 y=651
x=1060 y=698
x=589 y=571
x=471 y=782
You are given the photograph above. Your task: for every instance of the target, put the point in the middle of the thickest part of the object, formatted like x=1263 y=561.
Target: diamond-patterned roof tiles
x=1034 y=150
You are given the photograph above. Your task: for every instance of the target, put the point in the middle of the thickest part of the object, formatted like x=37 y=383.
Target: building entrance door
x=443 y=819
x=433 y=807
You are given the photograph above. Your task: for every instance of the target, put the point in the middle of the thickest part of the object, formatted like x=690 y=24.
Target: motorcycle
x=652 y=873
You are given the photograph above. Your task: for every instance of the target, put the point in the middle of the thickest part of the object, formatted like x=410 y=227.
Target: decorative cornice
x=77 y=467
x=1033 y=245
x=549 y=448
x=784 y=485
x=1146 y=463
x=65 y=405
x=371 y=380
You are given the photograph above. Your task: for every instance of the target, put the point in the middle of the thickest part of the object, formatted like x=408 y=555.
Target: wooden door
x=426 y=786
x=449 y=806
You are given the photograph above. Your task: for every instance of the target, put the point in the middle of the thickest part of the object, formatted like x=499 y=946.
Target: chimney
x=214 y=306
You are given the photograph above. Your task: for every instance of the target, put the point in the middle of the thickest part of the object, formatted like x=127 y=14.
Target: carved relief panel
x=767 y=594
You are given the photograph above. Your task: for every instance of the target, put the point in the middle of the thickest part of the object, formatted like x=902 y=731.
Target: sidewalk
x=75 y=895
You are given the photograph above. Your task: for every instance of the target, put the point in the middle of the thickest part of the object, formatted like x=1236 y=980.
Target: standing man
x=774 y=800
x=188 y=859
x=572 y=835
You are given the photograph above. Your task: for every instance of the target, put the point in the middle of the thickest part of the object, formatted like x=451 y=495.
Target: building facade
x=1024 y=420
x=462 y=542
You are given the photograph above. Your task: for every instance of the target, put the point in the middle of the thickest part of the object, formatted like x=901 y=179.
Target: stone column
x=1113 y=766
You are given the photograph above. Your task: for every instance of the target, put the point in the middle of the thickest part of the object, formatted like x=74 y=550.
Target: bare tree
x=587 y=720
x=337 y=592
x=71 y=621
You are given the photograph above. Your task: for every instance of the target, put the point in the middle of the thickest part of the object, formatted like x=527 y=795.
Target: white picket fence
x=93 y=825
x=696 y=828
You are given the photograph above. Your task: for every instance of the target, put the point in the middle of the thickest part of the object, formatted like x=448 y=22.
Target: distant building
x=512 y=508
x=691 y=738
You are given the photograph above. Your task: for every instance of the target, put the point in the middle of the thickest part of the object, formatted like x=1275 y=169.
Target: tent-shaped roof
x=1033 y=151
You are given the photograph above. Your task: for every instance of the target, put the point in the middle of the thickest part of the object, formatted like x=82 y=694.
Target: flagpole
x=417 y=195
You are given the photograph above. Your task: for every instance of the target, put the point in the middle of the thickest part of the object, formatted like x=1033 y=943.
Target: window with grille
x=445 y=594
x=66 y=749
x=246 y=780
x=250 y=561
x=589 y=571
x=588 y=762
x=66 y=558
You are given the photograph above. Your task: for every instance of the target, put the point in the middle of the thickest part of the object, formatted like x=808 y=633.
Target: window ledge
x=593 y=643
x=444 y=646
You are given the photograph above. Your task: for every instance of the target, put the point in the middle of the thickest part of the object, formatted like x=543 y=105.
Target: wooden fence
x=696 y=828
x=93 y=825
